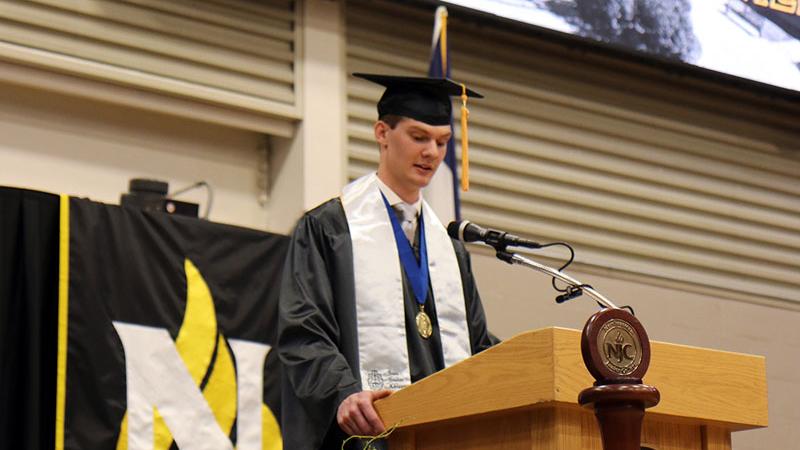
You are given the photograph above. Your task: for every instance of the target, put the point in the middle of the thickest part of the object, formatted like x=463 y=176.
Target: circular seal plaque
x=619 y=347
x=615 y=347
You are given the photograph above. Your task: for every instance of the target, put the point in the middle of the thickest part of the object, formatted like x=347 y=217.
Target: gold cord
x=443 y=42
x=372 y=439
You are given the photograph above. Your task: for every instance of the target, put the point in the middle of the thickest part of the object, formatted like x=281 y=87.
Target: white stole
x=380 y=313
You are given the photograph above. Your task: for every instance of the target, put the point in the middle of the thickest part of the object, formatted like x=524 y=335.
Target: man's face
x=410 y=153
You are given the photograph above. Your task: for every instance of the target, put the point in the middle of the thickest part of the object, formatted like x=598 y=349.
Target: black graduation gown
x=317 y=335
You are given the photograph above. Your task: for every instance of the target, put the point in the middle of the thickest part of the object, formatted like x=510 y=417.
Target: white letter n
x=157 y=377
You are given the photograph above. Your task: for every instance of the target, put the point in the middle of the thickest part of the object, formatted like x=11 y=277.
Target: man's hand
x=357 y=415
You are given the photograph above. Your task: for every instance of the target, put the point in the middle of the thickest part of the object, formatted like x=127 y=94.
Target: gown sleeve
x=480 y=337
x=316 y=375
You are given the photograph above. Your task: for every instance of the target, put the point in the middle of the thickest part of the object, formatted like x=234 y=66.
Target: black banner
x=159 y=337
x=28 y=311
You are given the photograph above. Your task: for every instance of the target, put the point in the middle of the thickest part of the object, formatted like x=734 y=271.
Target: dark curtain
x=29 y=230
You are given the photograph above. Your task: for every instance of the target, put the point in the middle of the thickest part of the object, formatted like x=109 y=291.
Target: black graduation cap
x=421 y=98
x=427 y=100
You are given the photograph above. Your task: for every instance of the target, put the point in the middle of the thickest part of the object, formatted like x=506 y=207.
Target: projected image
x=660 y=27
x=755 y=39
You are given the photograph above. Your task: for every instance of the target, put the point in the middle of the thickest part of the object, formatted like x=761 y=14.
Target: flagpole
x=442 y=194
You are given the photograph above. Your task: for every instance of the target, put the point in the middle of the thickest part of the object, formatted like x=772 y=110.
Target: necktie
x=408 y=219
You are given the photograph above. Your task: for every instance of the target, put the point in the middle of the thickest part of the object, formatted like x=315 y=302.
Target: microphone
x=466 y=231
x=571 y=293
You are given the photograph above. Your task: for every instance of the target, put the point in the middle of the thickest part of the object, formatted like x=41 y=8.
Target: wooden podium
x=522 y=394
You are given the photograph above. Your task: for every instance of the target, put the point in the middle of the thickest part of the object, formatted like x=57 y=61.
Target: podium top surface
x=545 y=367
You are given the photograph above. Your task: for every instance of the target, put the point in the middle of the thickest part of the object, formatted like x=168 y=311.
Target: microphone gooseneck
x=466 y=231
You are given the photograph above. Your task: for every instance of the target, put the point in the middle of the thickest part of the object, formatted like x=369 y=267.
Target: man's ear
x=381 y=130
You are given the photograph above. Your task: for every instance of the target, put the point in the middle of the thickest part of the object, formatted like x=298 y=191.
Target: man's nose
x=430 y=149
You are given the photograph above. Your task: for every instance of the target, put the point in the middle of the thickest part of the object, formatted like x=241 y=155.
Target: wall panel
x=237 y=55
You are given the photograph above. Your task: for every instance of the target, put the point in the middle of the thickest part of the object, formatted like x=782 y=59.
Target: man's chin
x=423 y=182
x=424 y=178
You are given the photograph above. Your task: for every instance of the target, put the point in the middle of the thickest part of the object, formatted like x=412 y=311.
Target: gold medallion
x=424 y=324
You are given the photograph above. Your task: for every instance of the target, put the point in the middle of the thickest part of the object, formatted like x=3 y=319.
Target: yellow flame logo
x=208 y=359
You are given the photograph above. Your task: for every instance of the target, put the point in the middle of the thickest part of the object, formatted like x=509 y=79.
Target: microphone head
x=465 y=231
x=452 y=230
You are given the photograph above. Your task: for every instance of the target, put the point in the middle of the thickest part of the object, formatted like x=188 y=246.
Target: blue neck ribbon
x=416 y=271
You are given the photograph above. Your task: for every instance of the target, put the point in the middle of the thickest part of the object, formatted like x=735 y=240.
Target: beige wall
x=517 y=299
x=63 y=144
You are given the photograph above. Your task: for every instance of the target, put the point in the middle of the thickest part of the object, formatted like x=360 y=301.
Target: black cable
x=571 y=258
x=572 y=290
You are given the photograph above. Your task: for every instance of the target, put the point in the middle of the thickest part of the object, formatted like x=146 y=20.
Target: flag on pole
x=442 y=192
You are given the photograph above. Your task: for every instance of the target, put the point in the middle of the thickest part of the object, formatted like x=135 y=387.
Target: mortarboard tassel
x=443 y=40
x=464 y=140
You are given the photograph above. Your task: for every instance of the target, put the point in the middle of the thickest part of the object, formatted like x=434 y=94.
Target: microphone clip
x=503 y=254
x=496 y=239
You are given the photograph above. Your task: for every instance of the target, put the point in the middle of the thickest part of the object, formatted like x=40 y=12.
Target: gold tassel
x=464 y=140
x=443 y=42
x=371 y=439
